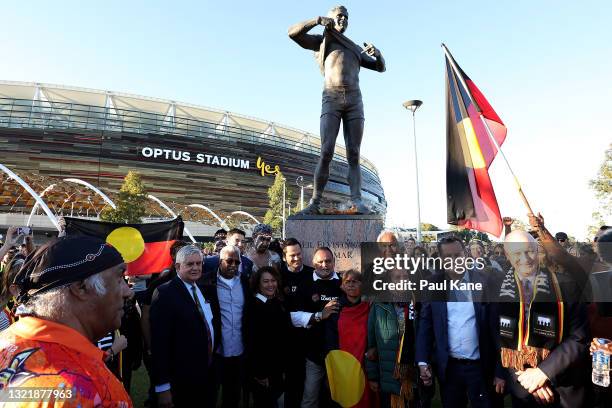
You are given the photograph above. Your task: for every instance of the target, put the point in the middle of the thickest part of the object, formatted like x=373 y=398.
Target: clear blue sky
x=544 y=66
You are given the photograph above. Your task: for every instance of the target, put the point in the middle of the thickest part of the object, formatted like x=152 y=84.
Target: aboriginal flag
x=145 y=247
x=471 y=200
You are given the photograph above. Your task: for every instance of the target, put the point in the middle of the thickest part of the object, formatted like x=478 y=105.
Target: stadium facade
x=186 y=154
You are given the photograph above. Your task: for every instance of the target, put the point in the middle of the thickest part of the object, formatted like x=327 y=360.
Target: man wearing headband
x=259 y=254
x=340 y=60
x=73 y=292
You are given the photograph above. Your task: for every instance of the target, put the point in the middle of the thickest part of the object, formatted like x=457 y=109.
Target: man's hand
x=11 y=237
x=164 y=399
x=374 y=386
x=508 y=221
x=499 y=385
x=371 y=354
x=371 y=50
x=536 y=222
x=531 y=379
x=425 y=374
x=330 y=308
x=606 y=348
x=264 y=382
x=327 y=22
x=544 y=395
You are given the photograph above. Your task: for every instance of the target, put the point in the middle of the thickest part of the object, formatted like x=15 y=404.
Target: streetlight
x=300 y=183
x=284 y=204
x=412 y=106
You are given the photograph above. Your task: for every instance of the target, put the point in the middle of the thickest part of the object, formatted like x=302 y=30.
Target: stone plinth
x=342 y=233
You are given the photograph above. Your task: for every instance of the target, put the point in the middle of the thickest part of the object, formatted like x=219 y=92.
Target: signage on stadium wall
x=207 y=159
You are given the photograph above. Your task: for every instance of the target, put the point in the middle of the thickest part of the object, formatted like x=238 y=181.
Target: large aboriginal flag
x=470 y=151
x=145 y=247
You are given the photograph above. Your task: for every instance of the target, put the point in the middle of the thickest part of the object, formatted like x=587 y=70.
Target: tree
x=425 y=226
x=130 y=201
x=274 y=215
x=602 y=186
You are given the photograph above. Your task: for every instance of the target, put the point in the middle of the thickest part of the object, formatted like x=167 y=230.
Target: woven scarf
x=528 y=340
x=333 y=35
x=404 y=361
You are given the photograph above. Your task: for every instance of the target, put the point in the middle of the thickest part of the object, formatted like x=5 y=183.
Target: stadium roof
x=122 y=106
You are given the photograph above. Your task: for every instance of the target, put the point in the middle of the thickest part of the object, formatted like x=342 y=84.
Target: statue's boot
x=313 y=208
x=361 y=208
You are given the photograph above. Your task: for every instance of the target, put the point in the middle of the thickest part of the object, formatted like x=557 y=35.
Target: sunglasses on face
x=561 y=239
x=231 y=261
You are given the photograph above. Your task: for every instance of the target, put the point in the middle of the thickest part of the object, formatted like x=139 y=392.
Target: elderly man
x=259 y=254
x=543 y=331
x=232 y=298
x=184 y=333
x=316 y=300
x=340 y=60
x=73 y=290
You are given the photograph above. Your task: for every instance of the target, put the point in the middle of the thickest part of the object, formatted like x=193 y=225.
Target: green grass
x=140 y=387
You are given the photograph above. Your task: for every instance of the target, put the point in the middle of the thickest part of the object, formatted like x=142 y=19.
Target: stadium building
x=74 y=146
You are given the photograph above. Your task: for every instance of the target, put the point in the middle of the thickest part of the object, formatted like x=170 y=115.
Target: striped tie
x=201 y=311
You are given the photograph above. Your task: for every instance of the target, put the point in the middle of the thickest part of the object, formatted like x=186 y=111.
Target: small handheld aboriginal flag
x=145 y=247
x=471 y=124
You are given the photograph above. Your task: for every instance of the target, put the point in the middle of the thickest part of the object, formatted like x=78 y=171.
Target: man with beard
x=542 y=331
x=316 y=300
x=292 y=273
x=259 y=254
x=232 y=296
x=340 y=60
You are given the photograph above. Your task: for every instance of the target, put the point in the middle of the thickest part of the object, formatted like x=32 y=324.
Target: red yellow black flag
x=145 y=247
x=470 y=151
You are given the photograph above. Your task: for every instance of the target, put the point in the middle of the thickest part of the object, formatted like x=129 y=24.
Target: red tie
x=201 y=311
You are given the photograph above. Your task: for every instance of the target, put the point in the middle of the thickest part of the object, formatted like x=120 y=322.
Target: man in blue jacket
x=235 y=237
x=456 y=333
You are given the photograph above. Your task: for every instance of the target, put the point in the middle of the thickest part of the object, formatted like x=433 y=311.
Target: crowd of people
x=259 y=325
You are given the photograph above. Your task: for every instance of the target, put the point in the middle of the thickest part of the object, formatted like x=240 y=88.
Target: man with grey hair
x=73 y=291
x=185 y=330
x=543 y=330
x=340 y=60
x=232 y=297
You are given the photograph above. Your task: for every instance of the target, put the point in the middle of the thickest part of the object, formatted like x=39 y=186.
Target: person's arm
x=9 y=241
x=373 y=59
x=299 y=33
x=508 y=221
x=573 y=347
x=162 y=328
x=371 y=364
x=29 y=241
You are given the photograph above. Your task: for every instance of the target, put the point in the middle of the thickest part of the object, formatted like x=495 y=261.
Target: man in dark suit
x=232 y=297
x=185 y=328
x=235 y=237
x=457 y=329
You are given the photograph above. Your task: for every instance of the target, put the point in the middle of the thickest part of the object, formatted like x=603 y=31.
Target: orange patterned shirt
x=41 y=355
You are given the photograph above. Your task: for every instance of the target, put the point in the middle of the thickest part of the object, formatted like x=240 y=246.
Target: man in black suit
x=455 y=333
x=235 y=237
x=185 y=328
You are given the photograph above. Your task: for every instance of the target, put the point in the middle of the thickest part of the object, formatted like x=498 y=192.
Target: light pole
x=300 y=183
x=284 y=204
x=412 y=106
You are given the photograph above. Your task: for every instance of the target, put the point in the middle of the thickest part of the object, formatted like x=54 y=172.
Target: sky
x=543 y=65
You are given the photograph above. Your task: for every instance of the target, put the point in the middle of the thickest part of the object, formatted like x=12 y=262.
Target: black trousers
x=231 y=374
x=464 y=381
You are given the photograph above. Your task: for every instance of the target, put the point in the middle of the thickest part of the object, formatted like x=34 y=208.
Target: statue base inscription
x=342 y=233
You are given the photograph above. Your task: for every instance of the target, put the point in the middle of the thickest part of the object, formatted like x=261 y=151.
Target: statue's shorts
x=344 y=103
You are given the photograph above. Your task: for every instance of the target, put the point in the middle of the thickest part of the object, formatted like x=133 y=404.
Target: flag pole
x=516 y=181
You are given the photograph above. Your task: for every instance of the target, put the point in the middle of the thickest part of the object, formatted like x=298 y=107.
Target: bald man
x=543 y=332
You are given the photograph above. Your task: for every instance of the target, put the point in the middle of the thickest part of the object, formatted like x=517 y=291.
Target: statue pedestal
x=342 y=233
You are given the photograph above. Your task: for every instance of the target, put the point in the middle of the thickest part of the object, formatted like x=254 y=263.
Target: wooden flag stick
x=460 y=77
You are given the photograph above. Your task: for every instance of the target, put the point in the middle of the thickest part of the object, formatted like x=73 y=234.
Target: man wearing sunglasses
x=232 y=293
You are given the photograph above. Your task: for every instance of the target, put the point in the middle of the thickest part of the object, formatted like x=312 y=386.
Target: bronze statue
x=339 y=59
